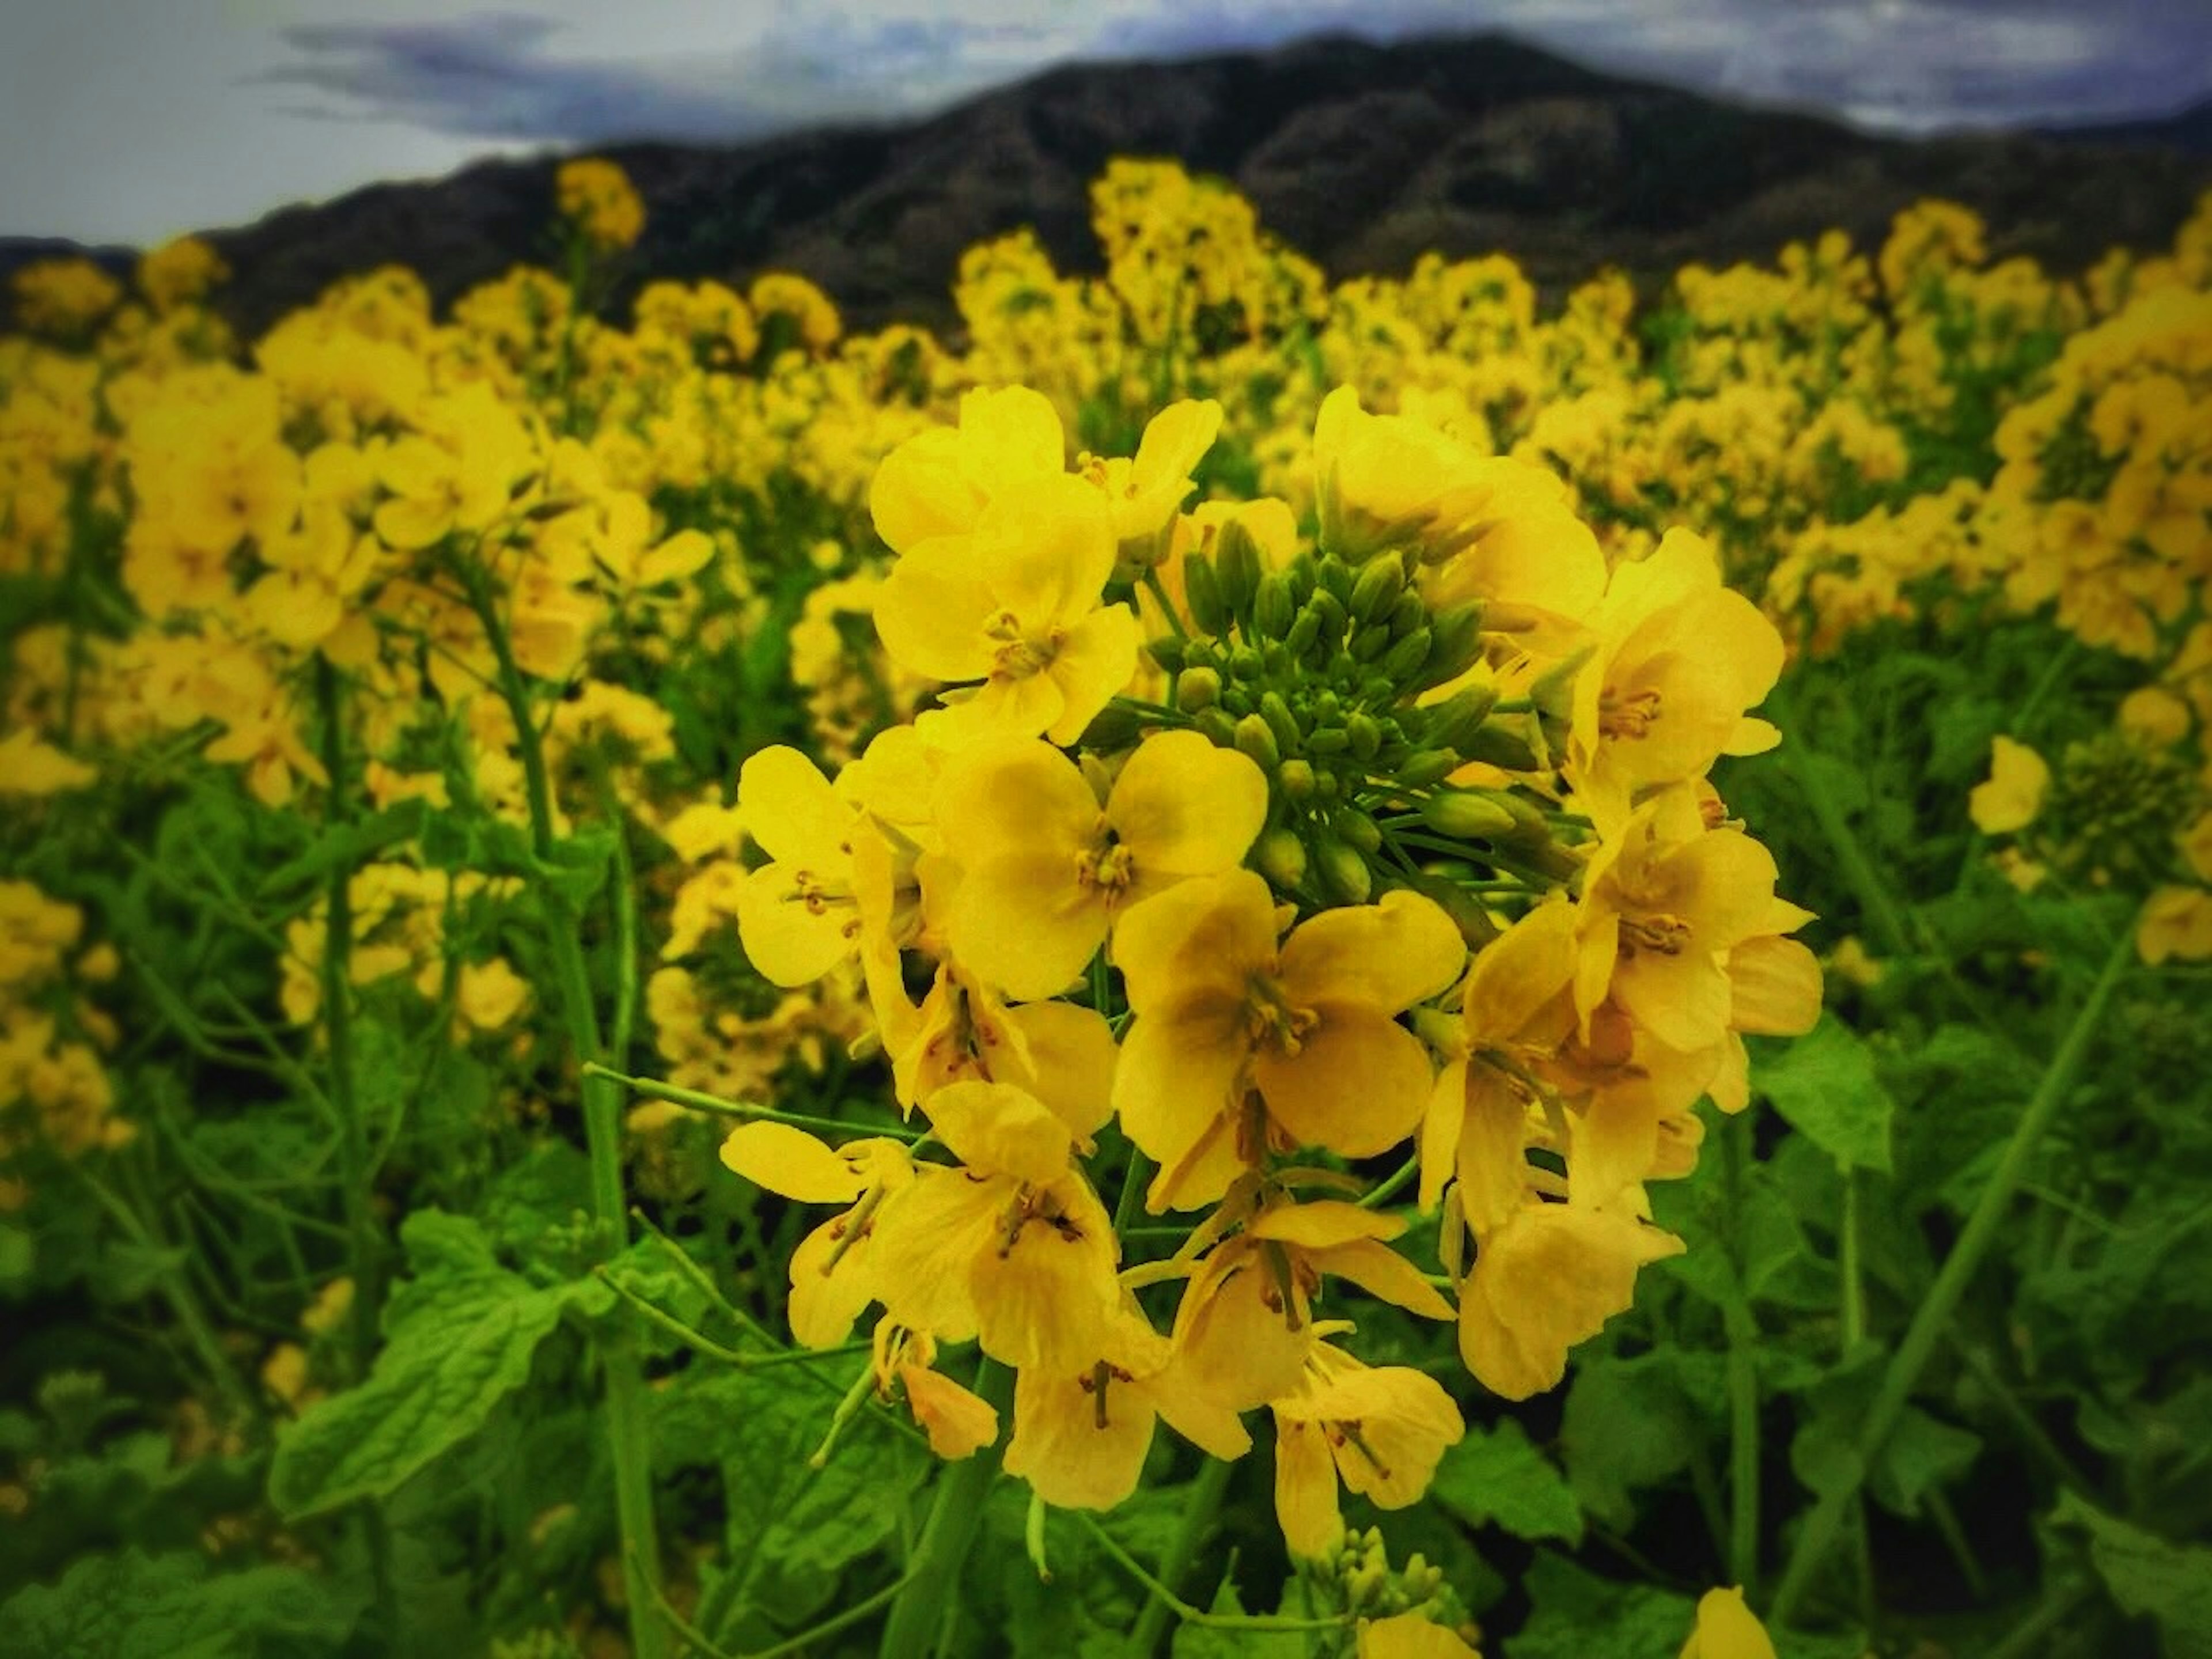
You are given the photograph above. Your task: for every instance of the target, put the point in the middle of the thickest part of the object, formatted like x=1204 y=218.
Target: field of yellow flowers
x=1242 y=966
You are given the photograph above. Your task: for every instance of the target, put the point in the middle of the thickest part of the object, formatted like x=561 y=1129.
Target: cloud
x=1902 y=64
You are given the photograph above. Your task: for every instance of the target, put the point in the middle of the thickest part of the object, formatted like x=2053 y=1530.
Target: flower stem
x=628 y=1430
x=929 y=1593
x=1200 y=1505
x=1931 y=1320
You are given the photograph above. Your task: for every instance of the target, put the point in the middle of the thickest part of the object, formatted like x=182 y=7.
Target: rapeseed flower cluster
x=1411 y=852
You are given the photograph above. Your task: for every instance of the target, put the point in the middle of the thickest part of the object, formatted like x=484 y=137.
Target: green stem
x=1200 y=1505
x=1743 y=1379
x=364 y=1246
x=1931 y=1320
x=2032 y=1635
x=916 y=1625
x=678 y=1096
x=177 y=1292
x=628 y=1427
x=1192 y=1615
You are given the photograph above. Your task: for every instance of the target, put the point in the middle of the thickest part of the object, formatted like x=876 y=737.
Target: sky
x=127 y=121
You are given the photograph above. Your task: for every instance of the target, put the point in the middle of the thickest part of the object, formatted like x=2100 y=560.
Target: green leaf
x=462 y=1331
x=1579 y=1615
x=1627 y=1426
x=347 y=847
x=1922 y=1454
x=2147 y=1576
x=1824 y=1086
x=794 y=1528
x=133 y=1606
x=1497 y=1476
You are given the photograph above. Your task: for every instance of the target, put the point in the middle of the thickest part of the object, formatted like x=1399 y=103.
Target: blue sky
x=128 y=121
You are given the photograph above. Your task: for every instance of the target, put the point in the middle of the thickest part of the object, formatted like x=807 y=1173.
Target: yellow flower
x=2177 y=922
x=1513 y=1012
x=1046 y=870
x=1081 y=1432
x=491 y=993
x=1381 y=1430
x=1727 y=1629
x=1548 y=1278
x=2009 y=801
x=1147 y=491
x=833 y=1271
x=1309 y=1026
x=1491 y=527
x=596 y=196
x=31 y=765
x=1016 y=607
x=1012 y=1248
x=938 y=482
x=1662 y=905
x=958 y=1422
x=1679 y=658
x=1246 y=1324
x=797 y=914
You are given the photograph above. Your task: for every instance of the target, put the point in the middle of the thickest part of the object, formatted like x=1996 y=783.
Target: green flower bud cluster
x=1356 y=1572
x=2116 y=807
x=1315 y=671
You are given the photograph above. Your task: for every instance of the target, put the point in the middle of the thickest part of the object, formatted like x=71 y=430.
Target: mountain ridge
x=1361 y=156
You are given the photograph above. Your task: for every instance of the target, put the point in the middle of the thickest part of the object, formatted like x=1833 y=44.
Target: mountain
x=1362 y=156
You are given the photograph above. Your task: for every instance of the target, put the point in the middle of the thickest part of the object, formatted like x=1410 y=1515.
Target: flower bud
x=1170 y=652
x=1273 y=609
x=1335 y=620
x=1455 y=642
x=1381 y=582
x=1452 y=723
x=1344 y=873
x=1496 y=743
x=1245 y=664
x=1217 y=727
x=1202 y=590
x=1277 y=713
x=1197 y=689
x=1407 y=612
x=1365 y=736
x=1256 y=739
x=1404 y=659
x=1358 y=829
x=1113 y=728
x=1370 y=642
x=1327 y=740
x=1236 y=567
x=1281 y=857
x=1466 y=815
x=1304 y=632
x=1335 y=576
x=1424 y=767
x=1296 y=777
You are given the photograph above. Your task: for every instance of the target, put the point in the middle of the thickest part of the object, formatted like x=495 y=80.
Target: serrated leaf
x=1825 y=1085
x=2149 y=1576
x=463 y=1333
x=133 y=1606
x=796 y=1528
x=1498 y=1477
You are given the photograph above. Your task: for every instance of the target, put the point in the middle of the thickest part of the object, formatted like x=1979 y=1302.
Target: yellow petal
x=1076 y=1450
x=1727 y=1629
x=2013 y=796
x=1358 y=1084
x=959 y=1422
x=1184 y=807
x=1000 y=1130
x=791 y=1162
x=1306 y=1488
x=1388 y=955
x=1096 y=662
